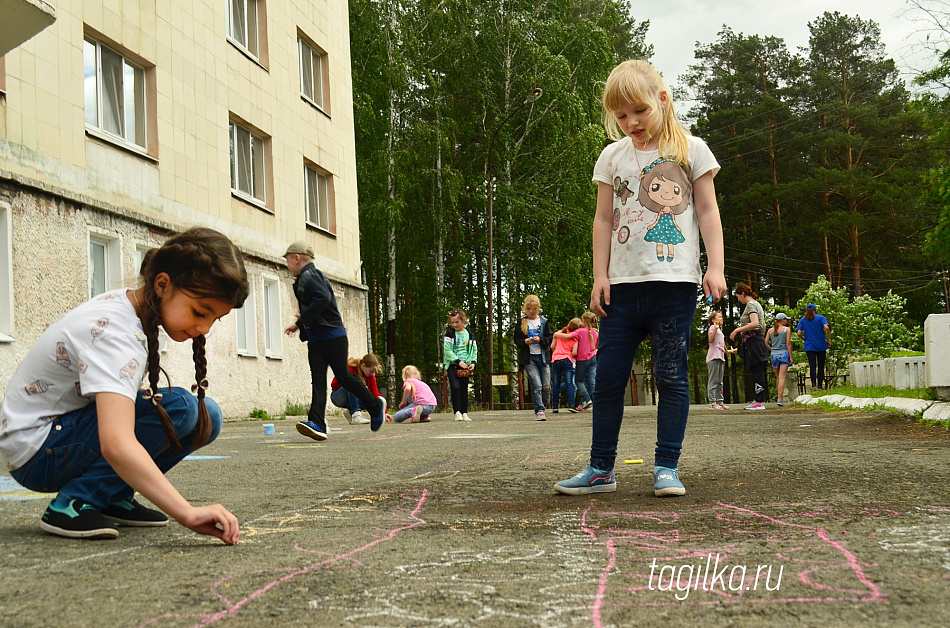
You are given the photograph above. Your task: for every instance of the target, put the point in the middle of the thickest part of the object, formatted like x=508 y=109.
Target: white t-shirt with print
x=98 y=347
x=534 y=324
x=638 y=230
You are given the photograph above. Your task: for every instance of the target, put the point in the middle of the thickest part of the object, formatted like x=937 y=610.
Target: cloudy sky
x=676 y=26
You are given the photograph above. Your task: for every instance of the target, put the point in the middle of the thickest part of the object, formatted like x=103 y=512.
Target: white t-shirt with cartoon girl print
x=655 y=231
x=98 y=347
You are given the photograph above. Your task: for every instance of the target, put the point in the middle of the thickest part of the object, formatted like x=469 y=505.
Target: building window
x=272 y=322
x=6 y=274
x=243 y=25
x=247 y=323
x=319 y=199
x=312 y=77
x=104 y=268
x=114 y=93
x=247 y=163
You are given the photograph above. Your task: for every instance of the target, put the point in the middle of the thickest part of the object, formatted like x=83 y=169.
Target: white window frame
x=311 y=62
x=270 y=290
x=317 y=197
x=246 y=324
x=6 y=274
x=255 y=155
x=111 y=262
x=247 y=13
x=128 y=130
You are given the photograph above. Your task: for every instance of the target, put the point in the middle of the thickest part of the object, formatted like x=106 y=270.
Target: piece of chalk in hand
x=709 y=299
x=637 y=461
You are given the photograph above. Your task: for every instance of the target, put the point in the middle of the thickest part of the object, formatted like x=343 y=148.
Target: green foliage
x=823 y=156
x=426 y=113
x=877 y=392
x=260 y=414
x=296 y=408
x=862 y=326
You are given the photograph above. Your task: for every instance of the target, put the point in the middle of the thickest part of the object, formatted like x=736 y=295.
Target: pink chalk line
x=851 y=559
x=347 y=556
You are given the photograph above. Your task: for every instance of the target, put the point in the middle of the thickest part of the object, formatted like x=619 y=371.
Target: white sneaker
x=465 y=416
x=358 y=419
x=459 y=417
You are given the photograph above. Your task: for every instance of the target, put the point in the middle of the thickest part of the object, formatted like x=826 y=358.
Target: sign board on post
x=499 y=380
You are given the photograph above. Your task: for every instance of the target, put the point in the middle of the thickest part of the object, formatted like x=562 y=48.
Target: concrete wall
x=937 y=346
x=899 y=373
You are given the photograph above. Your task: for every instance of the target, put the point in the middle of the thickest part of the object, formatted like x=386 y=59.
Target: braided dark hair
x=207 y=264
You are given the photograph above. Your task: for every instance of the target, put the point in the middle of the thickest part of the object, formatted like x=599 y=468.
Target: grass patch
x=296 y=408
x=876 y=392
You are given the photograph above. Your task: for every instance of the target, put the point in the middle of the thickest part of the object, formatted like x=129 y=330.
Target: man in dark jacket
x=321 y=326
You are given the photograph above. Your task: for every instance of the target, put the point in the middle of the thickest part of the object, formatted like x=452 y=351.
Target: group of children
x=655 y=193
x=778 y=341
x=573 y=359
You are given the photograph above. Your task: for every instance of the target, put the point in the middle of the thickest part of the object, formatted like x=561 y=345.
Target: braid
x=204 y=263
x=203 y=428
x=150 y=326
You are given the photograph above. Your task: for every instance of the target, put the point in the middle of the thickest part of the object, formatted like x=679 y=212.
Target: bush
x=865 y=326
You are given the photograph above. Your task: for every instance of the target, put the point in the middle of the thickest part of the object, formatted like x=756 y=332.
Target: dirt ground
x=792 y=517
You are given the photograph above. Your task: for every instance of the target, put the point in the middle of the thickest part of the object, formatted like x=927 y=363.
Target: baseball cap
x=811 y=306
x=299 y=248
x=781 y=316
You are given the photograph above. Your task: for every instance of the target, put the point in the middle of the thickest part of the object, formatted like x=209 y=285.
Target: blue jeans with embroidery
x=539 y=381
x=664 y=311
x=71 y=462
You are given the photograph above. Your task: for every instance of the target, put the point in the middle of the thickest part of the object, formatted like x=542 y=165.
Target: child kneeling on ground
x=418 y=401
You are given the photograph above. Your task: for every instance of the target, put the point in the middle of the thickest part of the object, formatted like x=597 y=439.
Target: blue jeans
x=406 y=413
x=585 y=373
x=71 y=461
x=563 y=369
x=664 y=311
x=342 y=398
x=539 y=381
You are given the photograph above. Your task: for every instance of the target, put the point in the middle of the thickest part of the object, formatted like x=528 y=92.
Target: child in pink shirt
x=418 y=401
x=562 y=366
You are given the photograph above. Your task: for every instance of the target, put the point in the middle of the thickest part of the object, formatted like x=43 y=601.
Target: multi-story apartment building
x=124 y=121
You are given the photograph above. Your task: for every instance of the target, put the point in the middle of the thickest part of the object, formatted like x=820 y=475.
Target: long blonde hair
x=637 y=82
x=531 y=299
x=590 y=322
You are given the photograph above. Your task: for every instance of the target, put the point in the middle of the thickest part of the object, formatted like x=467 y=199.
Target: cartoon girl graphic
x=622 y=189
x=665 y=188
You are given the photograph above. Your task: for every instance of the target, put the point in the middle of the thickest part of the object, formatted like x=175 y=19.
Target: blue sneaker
x=312 y=430
x=376 y=421
x=666 y=482
x=590 y=480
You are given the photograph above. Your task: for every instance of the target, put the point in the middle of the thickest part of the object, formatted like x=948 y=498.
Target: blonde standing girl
x=533 y=337
x=638 y=290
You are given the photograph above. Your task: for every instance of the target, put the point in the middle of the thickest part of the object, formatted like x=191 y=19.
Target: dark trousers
x=459 y=388
x=758 y=376
x=333 y=353
x=816 y=367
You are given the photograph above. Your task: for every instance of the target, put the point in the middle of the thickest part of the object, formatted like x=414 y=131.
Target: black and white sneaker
x=129 y=512
x=79 y=520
